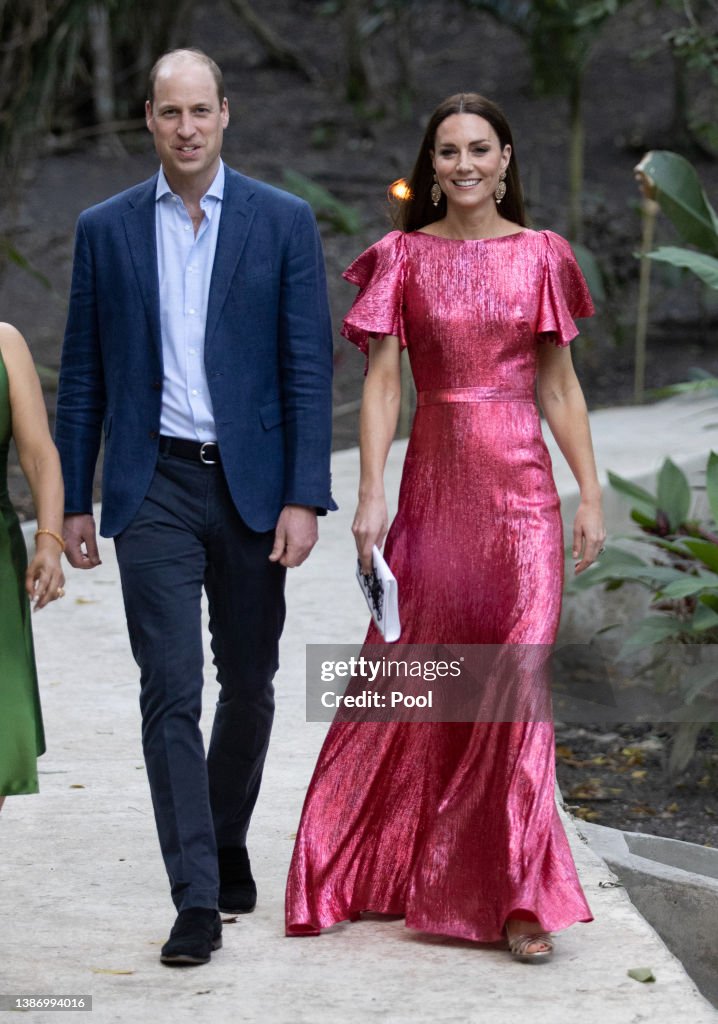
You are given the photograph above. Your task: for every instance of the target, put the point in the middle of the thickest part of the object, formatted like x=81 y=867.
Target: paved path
x=84 y=905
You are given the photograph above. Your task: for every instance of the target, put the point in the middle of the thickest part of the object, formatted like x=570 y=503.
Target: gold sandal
x=519 y=948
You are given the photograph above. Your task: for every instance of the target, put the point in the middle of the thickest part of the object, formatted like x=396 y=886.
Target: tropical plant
x=680 y=572
x=674 y=184
x=694 y=47
x=62 y=63
x=670 y=183
x=340 y=216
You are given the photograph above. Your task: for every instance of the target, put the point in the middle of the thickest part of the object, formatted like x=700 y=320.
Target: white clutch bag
x=381 y=591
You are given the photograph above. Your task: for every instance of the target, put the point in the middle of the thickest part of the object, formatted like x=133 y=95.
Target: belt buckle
x=205 y=461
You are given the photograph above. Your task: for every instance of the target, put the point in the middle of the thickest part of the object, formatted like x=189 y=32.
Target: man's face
x=187 y=122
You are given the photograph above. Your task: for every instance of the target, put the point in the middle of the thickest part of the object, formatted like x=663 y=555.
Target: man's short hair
x=198 y=55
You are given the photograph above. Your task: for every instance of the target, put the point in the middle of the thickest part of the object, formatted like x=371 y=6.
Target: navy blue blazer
x=268 y=355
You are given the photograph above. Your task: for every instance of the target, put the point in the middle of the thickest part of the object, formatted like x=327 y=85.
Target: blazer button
x=154 y=435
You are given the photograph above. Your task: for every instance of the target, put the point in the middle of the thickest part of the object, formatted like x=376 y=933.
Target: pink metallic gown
x=454 y=825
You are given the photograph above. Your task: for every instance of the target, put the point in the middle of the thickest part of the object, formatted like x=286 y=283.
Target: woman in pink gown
x=453 y=824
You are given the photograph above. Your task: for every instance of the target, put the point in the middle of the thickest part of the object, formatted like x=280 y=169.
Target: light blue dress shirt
x=184 y=263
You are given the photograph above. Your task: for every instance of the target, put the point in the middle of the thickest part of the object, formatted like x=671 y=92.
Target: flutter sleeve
x=377 y=309
x=564 y=294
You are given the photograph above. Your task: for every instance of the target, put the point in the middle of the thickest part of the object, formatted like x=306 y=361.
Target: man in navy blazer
x=198 y=340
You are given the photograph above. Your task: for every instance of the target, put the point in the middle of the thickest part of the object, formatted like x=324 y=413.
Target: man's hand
x=81 y=541
x=295 y=535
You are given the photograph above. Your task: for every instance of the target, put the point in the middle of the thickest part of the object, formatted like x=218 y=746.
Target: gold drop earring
x=436 y=192
x=500 y=188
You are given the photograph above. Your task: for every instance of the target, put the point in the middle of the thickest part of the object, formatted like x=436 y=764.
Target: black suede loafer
x=196 y=932
x=237 y=889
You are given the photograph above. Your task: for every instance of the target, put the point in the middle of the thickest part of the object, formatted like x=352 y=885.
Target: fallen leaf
x=586 y=813
x=591 y=789
x=634 y=755
x=641 y=974
x=672 y=808
x=639 y=775
x=77 y=785
x=84 y=600
x=109 y=970
x=642 y=810
x=563 y=752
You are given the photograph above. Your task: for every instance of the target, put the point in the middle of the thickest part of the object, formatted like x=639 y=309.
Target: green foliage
x=326 y=207
x=559 y=34
x=680 y=572
x=694 y=43
x=702 y=265
x=591 y=270
x=699 y=380
x=673 y=182
x=680 y=195
x=12 y=254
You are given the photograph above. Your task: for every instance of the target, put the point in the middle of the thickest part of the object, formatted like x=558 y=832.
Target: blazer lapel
x=235 y=221
x=141 y=235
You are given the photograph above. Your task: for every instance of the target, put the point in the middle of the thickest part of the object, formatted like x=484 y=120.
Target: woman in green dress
x=23 y=418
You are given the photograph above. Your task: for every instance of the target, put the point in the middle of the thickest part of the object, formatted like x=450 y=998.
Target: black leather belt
x=206 y=452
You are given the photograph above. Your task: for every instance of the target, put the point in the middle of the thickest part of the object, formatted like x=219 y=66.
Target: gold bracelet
x=51 y=533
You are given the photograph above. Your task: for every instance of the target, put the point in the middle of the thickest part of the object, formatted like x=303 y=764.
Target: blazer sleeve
x=306 y=366
x=81 y=398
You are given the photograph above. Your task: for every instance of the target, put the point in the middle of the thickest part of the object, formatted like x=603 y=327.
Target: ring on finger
x=60 y=592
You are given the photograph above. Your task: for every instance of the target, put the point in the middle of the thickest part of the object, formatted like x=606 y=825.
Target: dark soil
x=618 y=778
x=281 y=122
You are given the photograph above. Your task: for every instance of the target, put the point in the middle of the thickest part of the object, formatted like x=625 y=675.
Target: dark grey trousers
x=188 y=536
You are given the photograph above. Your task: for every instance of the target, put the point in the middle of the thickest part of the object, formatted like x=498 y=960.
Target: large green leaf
x=712 y=484
x=682 y=199
x=698 y=679
x=647 y=504
x=690 y=585
x=705 y=550
x=652 y=630
x=703 y=266
x=674 y=494
x=591 y=270
x=704 y=618
x=613 y=563
x=326 y=207
x=673 y=546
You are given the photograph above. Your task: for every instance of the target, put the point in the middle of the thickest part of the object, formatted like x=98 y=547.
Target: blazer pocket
x=271 y=414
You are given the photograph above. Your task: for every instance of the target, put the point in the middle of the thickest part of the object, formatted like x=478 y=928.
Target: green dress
x=21 y=734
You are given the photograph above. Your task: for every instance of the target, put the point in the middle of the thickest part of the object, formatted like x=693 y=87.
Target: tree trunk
x=403 y=40
x=280 y=53
x=575 y=216
x=103 y=88
x=359 y=88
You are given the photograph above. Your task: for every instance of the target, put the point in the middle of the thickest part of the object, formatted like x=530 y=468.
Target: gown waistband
x=478 y=394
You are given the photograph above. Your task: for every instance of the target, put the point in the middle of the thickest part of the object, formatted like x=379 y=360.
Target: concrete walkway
x=85 y=906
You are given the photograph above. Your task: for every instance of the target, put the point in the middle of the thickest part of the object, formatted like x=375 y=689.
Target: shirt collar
x=215 y=190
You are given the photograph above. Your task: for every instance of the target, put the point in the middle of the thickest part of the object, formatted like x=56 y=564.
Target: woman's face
x=468 y=159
